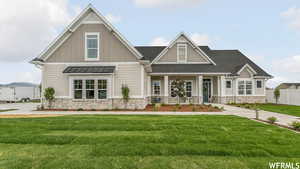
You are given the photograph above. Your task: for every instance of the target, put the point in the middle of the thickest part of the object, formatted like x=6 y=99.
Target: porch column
x=222 y=89
x=200 y=89
x=166 y=88
x=149 y=86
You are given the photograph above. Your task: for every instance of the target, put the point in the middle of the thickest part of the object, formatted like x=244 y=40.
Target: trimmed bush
x=296 y=125
x=272 y=120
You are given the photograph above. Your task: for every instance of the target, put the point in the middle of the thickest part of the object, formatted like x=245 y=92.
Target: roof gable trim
x=190 y=41
x=249 y=68
x=70 y=31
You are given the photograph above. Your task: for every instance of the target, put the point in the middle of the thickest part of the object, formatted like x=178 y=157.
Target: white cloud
x=167 y=3
x=288 y=65
x=201 y=39
x=112 y=18
x=272 y=83
x=28 y=26
x=160 y=41
x=292 y=15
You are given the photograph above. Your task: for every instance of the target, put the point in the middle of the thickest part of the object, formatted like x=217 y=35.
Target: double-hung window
x=181 y=53
x=228 y=84
x=92 y=46
x=245 y=87
x=78 y=89
x=156 y=88
x=259 y=84
x=102 y=89
x=90 y=89
x=188 y=88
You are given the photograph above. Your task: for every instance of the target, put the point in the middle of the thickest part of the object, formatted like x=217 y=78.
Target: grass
x=279 y=108
x=144 y=142
x=5 y=110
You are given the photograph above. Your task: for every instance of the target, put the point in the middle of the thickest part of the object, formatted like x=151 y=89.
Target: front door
x=206 y=90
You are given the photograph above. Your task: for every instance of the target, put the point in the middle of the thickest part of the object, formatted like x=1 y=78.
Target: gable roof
x=228 y=61
x=182 y=34
x=287 y=85
x=72 y=27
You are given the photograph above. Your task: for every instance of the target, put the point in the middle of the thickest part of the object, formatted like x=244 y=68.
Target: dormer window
x=181 y=53
x=91 y=46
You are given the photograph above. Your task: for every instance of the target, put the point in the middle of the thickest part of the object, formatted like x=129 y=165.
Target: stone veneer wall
x=239 y=99
x=107 y=104
x=172 y=100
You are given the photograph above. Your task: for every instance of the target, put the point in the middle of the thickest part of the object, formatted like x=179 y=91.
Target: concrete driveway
x=29 y=109
x=24 y=108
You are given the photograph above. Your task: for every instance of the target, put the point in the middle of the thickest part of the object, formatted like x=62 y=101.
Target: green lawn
x=279 y=108
x=144 y=142
x=284 y=109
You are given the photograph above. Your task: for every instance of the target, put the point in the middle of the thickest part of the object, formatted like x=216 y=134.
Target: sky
x=267 y=31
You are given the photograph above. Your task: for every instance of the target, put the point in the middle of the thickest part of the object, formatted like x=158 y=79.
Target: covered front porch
x=199 y=88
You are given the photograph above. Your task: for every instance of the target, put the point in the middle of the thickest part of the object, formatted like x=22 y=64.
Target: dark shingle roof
x=89 y=69
x=227 y=61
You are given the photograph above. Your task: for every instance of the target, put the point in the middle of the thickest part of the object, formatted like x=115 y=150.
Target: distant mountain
x=19 y=84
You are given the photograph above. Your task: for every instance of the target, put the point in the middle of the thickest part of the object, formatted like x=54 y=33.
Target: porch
x=199 y=89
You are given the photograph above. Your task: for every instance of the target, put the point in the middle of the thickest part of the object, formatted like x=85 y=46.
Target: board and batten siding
x=52 y=76
x=192 y=55
x=129 y=74
x=111 y=48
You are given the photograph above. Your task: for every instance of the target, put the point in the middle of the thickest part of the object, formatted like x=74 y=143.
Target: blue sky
x=266 y=31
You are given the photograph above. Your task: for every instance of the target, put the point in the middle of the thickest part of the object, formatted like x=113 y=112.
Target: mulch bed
x=163 y=108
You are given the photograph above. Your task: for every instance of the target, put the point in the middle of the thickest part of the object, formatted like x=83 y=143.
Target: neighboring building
x=289 y=86
x=19 y=92
x=90 y=61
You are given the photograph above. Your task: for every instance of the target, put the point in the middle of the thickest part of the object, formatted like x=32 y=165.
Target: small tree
x=125 y=94
x=178 y=89
x=277 y=94
x=49 y=95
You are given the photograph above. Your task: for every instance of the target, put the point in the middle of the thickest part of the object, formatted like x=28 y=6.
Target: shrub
x=222 y=108
x=157 y=107
x=296 y=125
x=49 y=95
x=272 y=120
x=80 y=109
x=93 y=110
x=194 y=109
x=276 y=94
x=125 y=93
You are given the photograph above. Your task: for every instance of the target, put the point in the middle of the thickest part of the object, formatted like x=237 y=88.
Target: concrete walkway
x=28 y=109
x=283 y=119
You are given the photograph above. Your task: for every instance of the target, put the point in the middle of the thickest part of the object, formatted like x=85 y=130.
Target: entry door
x=206 y=90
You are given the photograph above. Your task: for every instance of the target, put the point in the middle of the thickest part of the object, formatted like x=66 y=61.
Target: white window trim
x=245 y=89
x=159 y=82
x=85 y=47
x=84 y=78
x=226 y=84
x=262 y=85
x=185 y=46
x=170 y=87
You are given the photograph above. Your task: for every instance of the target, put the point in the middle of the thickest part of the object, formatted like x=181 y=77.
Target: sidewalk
x=283 y=119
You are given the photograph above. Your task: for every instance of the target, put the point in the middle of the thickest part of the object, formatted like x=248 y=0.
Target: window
x=156 y=88
x=92 y=46
x=90 y=89
x=228 y=84
x=78 y=89
x=173 y=94
x=102 y=89
x=245 y=87
x=181 y=53
x=188 y=88
x=258 y=84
